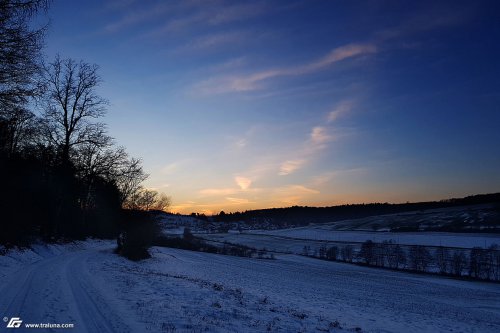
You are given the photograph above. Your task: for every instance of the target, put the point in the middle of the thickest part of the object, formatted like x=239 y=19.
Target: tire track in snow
x=58 y=289
x=96 y=314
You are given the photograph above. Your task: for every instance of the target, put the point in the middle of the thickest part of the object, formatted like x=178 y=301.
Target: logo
x=15 y=322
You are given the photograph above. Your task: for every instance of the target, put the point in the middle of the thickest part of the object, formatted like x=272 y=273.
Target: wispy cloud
x=293 y=194
x=199 y=16
x=290 y=166
x=300 y=189
x=136 y=17
x=318 y=140
x=327 y=177
x=340 y=110
x=437 y=18
x=219 y=191
x=175 y=166
x=238 y=201
x=241 y=143
x=254 y=81
x=238 y=12
x=215 y=41
x=320 y=136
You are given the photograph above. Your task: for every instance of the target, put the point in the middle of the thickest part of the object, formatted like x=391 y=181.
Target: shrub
x=139 y=231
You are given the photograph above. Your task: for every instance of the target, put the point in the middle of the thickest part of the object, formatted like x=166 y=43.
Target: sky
x=238 y=105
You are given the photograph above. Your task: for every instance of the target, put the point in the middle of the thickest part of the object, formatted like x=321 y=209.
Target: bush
x=139 y=231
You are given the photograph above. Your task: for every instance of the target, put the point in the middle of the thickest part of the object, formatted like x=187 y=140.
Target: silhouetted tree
x=347 y=253
x=419 y=258
x=20 y=59
x=145 y=199
x=162 y=202
x=129 y=177
x=73 y=105
x=396 y=257
x=475 y=260
x=367 y=252
x=458 y=262
x=495 y=259
x=332 y=253
x=442 y=259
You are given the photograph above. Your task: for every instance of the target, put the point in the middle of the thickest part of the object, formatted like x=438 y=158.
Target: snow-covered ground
x=182 y=291
x=294 y=240
x=317 y=232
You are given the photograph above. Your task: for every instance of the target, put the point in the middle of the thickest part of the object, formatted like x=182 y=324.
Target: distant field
x=293 y=241
x=463 y=240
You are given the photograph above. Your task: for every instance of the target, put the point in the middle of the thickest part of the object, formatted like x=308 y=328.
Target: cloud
x=290 y=166
x=317 y=141
x=199 y=16
x=237 y=12
x=214 y=41
x=233 y=83
x=238 y=201
x=439 y=17
x=243 y=182
x=336 y=55
x=293 y=194
x=341 y=109
x=241 y=143
x=136 y=17
x=330 y=176
x=170 y=168
x=301 y=189
x=320 y=136
x=219 y=191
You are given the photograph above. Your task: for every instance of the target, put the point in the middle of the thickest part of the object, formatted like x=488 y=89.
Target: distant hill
x=300 y=215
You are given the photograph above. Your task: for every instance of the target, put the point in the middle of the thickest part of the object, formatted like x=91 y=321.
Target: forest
x=63 y=176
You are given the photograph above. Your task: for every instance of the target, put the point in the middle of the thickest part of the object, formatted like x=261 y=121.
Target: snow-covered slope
x=182 y=291
x=449 y=239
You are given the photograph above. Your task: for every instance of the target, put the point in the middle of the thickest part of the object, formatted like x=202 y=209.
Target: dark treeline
x=477 y=263
x=300 y=216
x=61 y=174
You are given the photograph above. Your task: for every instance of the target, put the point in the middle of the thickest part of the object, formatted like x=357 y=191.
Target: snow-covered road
x=59 y=290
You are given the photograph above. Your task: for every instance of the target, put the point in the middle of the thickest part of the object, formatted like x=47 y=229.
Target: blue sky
x=236 y=105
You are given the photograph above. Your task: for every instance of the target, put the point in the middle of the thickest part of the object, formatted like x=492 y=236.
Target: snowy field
x=294 y=240
x=182 y=291
x=463 y=240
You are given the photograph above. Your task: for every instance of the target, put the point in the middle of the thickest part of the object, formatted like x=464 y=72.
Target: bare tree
x=420 y=258
x=396 y=257
x=347 y=253
x=162 y=203
x=458 y=262
x=442 y=257
x=145 y=199
x=20 y=51
x=475 y=261
x=331 y=253
x=495 y=261
x=73 y=105
x=129 y=178
x=20 y=58
x=367 y=252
